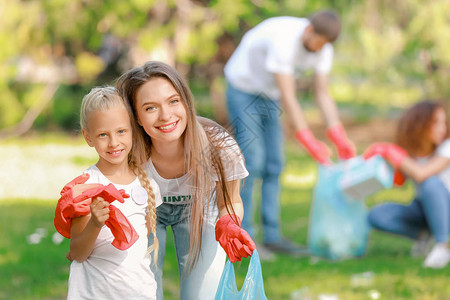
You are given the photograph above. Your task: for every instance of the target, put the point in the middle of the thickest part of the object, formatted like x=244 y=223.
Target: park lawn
x=40 y=271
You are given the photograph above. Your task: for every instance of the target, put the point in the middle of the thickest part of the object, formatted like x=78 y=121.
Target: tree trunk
x=27 y=121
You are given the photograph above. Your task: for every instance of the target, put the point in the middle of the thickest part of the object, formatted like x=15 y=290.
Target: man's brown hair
x=327 y=24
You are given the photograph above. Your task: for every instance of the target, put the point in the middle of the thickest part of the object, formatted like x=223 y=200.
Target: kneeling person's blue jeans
x=430 y=210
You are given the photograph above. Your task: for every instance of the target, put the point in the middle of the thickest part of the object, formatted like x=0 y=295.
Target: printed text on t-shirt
x=172 y=199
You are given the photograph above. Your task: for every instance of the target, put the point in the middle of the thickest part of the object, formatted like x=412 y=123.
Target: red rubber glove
x=318 y=150
x=346 y=149
x=109 y=193
x=234 y=240
x=399 y=178
x=79 y=206
x=392 y=153
x=124 y=233
x=69 y=208
x=61 y=221
x=78 y=180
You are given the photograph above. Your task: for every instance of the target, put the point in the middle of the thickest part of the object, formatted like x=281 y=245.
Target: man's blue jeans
x=257 y=129
x=203 y=280
x=430 y=210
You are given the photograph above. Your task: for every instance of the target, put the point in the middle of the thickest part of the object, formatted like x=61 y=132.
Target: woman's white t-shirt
x=180 y=190
x=110 y=273
x=442 y=150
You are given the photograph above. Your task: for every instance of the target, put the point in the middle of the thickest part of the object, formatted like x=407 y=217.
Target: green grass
x=40 y=271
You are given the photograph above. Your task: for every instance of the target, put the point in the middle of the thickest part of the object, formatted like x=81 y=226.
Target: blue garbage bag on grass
x=253 y=287
x=338 y=227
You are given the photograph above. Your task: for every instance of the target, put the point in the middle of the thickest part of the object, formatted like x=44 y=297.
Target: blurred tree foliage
x=390 y=53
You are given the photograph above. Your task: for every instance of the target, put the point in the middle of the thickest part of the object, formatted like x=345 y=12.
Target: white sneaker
x=422 y=245
x=438 y=257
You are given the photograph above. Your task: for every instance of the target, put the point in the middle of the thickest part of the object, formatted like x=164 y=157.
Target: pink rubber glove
x=392 y=153
x=234 y=240
x=318 y=150
x=343 y=145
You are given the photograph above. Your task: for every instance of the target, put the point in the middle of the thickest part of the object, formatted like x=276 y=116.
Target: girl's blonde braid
x=151 y=214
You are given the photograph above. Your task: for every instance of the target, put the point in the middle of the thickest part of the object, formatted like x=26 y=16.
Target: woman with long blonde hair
x=198 y=167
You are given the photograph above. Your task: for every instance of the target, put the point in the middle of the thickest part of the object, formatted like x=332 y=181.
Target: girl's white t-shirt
x=180 y=190
x=274 y=47
x=110 y=273
x=442 y=150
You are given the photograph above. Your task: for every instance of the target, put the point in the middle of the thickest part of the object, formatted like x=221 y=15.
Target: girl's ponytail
x=151 y=214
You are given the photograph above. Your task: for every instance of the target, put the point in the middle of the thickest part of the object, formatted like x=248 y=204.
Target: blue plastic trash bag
x=362 y=178
x=338 y=226
x=253 y=287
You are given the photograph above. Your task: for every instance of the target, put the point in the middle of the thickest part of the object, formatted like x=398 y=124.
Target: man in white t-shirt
x=261 y=75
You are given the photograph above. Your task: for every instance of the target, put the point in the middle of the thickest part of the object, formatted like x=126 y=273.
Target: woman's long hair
x=415 y=124
x=204 y=142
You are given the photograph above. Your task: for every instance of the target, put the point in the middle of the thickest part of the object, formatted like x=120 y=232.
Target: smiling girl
x=101 y=268
x=198 y=167
x=425 y=158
